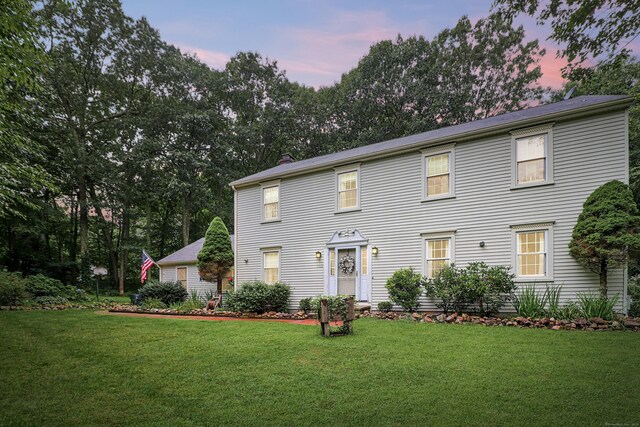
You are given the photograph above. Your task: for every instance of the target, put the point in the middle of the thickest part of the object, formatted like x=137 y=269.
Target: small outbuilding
x=182 y=266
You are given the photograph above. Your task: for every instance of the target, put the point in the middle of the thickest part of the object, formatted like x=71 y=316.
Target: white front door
x=348 y=271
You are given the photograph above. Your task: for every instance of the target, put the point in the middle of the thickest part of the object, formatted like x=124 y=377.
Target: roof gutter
x=603 y=107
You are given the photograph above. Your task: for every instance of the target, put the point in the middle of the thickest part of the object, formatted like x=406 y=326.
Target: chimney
x=286 y=158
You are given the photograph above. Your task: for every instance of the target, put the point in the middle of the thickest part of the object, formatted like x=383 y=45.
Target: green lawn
x=83 y=368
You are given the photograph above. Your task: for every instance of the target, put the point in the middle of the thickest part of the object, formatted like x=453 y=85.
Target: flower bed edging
x=72 y=306
x=301 y=315
x=593 y=324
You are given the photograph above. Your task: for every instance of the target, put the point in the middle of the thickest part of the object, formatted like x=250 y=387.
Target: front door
x=347 y=271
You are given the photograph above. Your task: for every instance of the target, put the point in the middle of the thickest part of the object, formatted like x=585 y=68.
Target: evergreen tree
x=607 y=230
x=216 y=256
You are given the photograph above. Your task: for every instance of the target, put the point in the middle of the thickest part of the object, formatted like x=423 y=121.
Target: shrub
x=43 y=286
x=305 y=305
x=50 y=300
x=12 y=288
x=167 y=292
x=594 y=305
x=259 y=297
x=153 y=303
x=405 y=287
x=385 y=306
x=337 y=305
x=488 y=288
x=448 y=290
x=633 y=290
x=570 y=311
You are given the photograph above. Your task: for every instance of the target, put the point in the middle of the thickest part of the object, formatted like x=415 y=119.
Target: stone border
x=57 y=307
x=300 y=315
x=592 y=324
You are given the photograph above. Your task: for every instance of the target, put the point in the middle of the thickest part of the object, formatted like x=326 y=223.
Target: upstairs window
x=348 y=188
x=271 y=202
x=438 y=172
x=532 y=157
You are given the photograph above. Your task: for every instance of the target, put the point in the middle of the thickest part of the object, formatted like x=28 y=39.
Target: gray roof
x=500 y=123
x=186 y=255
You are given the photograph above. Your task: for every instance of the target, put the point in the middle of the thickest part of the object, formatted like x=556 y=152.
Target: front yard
x=83 y=368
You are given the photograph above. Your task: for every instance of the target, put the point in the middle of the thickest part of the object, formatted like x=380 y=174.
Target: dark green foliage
x=607 y=229
x=385 y=306
x=404 y=288
x=477 y=287
x=337 y=304
x=259 y=297
x=12 y=288
x=167 y=292
x=594 y=305
x=216 y=256
x=633 y=291
x=154 y=303
x=43 y=286
x=305 y=304
x=50 y=300
x=448 y=290
x=529 y=302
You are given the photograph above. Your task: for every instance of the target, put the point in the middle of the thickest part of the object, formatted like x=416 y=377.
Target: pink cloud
x=212 y=58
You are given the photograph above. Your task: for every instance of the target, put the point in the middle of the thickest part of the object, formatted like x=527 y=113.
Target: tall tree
x=607 y=230
x=585 y=29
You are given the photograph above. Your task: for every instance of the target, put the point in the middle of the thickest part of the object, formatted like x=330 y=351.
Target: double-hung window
x=271 y=201
x=348 y=188
x=181 y=276
x=533 y=251
x=532 y=156
x=438 y=250
x=271 y=266
x=438 y=172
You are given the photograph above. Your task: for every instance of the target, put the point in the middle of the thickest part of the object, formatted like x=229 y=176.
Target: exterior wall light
x=318 y=255
x=482 y=244
x=374 y=250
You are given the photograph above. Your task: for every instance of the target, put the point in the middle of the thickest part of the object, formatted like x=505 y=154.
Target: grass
x=82 y=368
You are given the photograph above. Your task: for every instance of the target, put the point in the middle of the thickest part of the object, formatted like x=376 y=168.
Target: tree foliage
x=585 y=29
x=216 y=256
x=607 y=230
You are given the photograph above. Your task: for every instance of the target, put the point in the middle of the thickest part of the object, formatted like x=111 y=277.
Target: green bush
x=337 y=304
x=50 y=300
x=477 y=287
x=259 y=297
x=167 y=292
x=305 y=305
x=188 y=305
x=43 y=286
x=448 y=290
x=153 y=303
x=405 y=287
x=594 y=305
x=12 y=288
x=633 y=290
x=385 y=306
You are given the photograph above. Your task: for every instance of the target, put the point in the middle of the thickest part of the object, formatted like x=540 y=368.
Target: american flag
x=147 y=263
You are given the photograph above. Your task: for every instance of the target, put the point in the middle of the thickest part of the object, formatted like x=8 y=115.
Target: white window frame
x=547 y=227
x=542 y=130
x=264 y=186
x=264 y=251
x=342 y=170
x=437 y=151
x=186 y=276
x=438 y=235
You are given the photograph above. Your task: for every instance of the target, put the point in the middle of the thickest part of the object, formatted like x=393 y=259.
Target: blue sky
x=314 y=41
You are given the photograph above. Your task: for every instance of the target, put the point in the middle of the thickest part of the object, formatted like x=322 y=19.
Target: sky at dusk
x=313 y=41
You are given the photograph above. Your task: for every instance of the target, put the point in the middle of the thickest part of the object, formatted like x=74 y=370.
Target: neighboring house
x=506 y=190
x=181 y=266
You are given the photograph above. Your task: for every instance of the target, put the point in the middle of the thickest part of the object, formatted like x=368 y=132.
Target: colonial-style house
x=506 y=190
x=181 y=266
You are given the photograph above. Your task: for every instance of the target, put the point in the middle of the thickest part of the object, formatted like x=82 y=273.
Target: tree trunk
x=149 y=217
x=186 y=221
x=219 y=280
x=124 y=252
x=83 y=222
x=603 y=279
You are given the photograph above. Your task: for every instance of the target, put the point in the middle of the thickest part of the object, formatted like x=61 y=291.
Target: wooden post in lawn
x=324 y=318
x=351 y=314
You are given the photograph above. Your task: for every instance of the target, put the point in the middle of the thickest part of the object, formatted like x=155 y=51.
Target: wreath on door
x=347 y=264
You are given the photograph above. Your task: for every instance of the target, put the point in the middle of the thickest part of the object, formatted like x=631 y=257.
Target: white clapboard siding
x=194 y=283
x=587 y=153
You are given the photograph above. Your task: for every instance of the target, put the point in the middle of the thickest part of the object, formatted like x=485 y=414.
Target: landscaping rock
x=598 y=320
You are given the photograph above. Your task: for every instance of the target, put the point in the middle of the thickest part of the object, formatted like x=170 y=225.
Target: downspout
x=625 y=270
x=235 y=240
